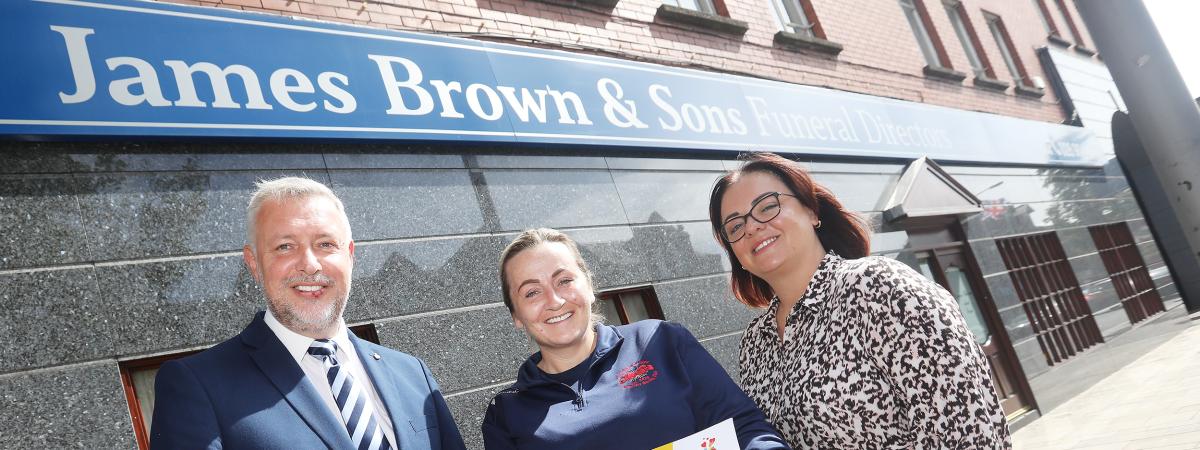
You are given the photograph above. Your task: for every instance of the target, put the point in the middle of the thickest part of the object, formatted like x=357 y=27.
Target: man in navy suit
x=296 y=378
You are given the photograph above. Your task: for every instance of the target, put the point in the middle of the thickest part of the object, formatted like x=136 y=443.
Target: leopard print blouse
x=874 y=356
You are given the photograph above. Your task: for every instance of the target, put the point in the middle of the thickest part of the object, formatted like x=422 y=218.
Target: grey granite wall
x=1066 y=201
x=69 y=406
x=114 y=252
x=118 y=251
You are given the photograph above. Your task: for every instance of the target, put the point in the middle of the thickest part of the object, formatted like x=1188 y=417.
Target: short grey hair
x=286 y=188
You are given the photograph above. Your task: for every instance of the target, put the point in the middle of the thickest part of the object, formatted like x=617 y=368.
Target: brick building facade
x=879 y=55
x=123 y=248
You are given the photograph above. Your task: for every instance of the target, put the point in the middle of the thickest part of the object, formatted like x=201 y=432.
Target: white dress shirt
x=297 y=345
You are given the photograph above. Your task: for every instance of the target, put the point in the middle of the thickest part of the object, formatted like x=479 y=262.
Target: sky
x=1176 y=23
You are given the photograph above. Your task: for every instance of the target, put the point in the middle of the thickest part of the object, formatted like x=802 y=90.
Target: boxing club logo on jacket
x=637 y=374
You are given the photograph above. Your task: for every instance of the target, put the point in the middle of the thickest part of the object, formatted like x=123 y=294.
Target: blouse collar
x=816 y=291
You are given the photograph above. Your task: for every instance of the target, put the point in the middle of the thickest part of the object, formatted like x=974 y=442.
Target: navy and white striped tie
x=356 y=409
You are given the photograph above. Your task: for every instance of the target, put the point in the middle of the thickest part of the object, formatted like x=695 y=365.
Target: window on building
x=629 y=305
x=970 y=41
x=707 y=15
x=1047 y=21
x=1066 y=15
x=1127 y=271
x=704 y=6
x=1007 y=50
x=138 y=377
x=927 y=38
x=798 y=16
x=1050 y=295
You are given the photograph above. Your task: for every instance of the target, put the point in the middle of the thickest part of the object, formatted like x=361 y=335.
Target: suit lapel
x=273 y=360
x=382 y=378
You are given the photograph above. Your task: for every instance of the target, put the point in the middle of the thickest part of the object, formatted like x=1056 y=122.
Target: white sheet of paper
x=722 y=436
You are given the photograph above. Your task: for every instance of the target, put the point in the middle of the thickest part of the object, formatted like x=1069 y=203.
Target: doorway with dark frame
x=942 y=255
x=929 y=205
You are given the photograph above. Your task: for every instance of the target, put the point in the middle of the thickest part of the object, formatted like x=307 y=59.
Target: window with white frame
x=629 y=305
x=793 y=17
x=966 y=35
x=704 y=6
x=1066 y=15
x=916 y=20
x=1044 y=15
x=1007 y=51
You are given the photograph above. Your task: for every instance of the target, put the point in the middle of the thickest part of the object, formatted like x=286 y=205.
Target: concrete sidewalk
x=1153 y=403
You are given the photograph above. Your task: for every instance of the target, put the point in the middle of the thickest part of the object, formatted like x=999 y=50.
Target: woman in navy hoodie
x=593 y=386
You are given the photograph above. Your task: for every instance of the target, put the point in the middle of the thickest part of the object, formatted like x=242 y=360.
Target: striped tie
x=355 y=407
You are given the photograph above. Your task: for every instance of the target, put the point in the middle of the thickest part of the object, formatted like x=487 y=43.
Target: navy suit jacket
x=248 y=392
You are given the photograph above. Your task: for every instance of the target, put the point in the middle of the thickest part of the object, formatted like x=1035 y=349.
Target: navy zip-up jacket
x=649 y=384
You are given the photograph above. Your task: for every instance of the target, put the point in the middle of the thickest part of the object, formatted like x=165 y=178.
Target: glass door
x=948 y=267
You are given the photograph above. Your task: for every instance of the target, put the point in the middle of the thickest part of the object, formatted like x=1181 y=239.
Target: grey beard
x=300 y=324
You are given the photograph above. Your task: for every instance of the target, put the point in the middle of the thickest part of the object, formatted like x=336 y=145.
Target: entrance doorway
x=944 y=258
x=928 y=203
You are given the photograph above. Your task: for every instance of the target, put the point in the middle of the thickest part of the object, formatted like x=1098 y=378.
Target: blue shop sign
x=104 y=68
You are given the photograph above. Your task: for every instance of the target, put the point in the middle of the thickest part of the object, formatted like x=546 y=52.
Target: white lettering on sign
x=869 y=128
x=564 y=115
x=325 y=82
x=81 y=65
x=184 y=79
x=147 y=81
x=880 y=128
x=411 y=83
x=404 y=82
x=618 y=110
x=285 y=82
x=144 y=86
x=698 y=119
x=136 y=82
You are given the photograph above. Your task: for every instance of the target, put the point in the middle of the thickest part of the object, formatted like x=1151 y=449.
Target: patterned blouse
x=874 y=356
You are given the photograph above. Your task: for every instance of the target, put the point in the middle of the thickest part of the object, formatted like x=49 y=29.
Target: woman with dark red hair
x=853 y=351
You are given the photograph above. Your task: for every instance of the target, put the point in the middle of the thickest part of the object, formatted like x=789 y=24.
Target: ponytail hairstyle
x=842 y=231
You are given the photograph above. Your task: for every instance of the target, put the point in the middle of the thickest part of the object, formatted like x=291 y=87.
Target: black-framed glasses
x=764 y=209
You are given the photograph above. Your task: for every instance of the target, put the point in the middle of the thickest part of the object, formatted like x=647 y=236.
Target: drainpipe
x=1167 y=122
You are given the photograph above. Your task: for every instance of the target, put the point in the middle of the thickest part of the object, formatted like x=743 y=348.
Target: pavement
x=1152 y=403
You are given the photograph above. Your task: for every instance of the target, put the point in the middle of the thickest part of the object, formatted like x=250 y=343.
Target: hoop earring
x=818 y=225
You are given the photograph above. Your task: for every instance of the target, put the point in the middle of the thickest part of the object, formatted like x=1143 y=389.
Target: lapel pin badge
x=376 y=356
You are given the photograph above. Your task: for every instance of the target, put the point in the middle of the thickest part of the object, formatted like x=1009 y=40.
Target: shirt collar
x=608 y=338
x=297 y=344
x=815 y=292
